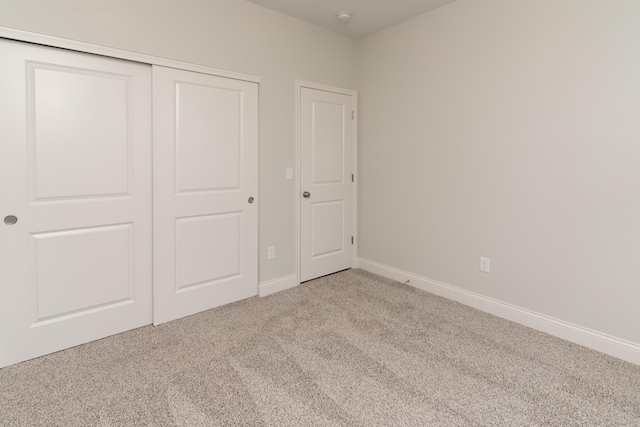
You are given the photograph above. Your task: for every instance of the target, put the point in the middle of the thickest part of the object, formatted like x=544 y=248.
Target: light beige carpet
x=351 y=349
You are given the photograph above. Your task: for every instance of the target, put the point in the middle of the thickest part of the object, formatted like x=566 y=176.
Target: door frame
x=52 y=41
x=354 y=168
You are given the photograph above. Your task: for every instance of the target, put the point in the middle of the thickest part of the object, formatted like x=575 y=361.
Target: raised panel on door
x=208 y=249
x=75 y=170
x=325 y=178
x=205 y=228
x=70 y=275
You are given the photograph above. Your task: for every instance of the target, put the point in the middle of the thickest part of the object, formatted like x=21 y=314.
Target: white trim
x=354 y=167
x=595 y=340
x=26 y=36
x=325 y=88
x=276 y=285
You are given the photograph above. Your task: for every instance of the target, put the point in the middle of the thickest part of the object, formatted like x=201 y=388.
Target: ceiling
x=367 y=16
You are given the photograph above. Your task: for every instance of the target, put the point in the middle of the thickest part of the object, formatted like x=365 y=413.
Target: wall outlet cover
x=485 y=264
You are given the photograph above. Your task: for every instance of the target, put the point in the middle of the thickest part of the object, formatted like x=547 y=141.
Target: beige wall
x=229 y=34
x=510 y=130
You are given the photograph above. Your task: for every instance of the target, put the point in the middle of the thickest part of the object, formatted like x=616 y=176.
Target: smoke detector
x=344 y=16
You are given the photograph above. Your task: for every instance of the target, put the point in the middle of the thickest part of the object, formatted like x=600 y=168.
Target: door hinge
x=353 y=115
x=352 y=240
x=352 y=178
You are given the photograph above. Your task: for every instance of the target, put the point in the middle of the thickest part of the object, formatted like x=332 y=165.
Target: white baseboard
x=276 y=285
x=595 y=340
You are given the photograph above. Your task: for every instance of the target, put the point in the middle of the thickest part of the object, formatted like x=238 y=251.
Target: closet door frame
x=29 y=37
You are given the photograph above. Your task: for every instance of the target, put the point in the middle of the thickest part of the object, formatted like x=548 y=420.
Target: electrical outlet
x=271 y=252
x=289 y=173
x=485 y=264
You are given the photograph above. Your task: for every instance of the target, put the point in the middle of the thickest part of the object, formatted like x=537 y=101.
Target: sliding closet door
x=205 y=192
x=75 y=210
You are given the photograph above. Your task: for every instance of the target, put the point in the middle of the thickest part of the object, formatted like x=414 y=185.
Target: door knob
x=10 y=219
x=306 y=194
x=250 y=200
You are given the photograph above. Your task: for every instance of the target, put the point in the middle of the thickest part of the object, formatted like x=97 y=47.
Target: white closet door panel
x=75 y=170
x=206 y=170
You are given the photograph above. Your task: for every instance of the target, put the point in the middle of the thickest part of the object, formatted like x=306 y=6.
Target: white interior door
x=326 y=126
x=205 y=192
x=75 y=180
